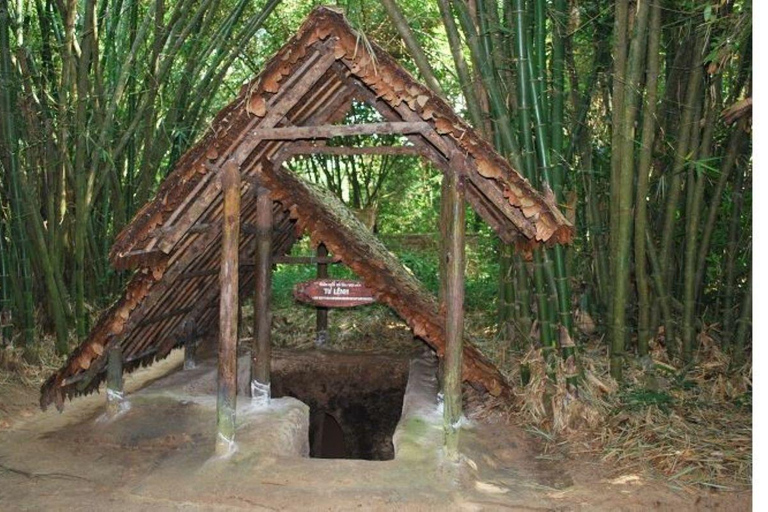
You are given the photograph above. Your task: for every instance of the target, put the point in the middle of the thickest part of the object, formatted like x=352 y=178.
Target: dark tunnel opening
x=355 y=402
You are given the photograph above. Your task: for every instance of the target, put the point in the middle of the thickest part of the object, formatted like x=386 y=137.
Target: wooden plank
x=333 y=130
x=453 y=219
x=334 y=293
x=307 y=149
x=304 y=260
x=228 y=306
x=262 y=290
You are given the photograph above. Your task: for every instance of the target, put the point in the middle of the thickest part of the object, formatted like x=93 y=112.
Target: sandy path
x=53 y=461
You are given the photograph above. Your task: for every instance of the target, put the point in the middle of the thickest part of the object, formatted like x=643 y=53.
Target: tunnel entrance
x=355 y=400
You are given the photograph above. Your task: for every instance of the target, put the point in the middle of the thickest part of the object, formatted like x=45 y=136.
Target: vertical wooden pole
x=228 y=307
x=262 y=347
x=115 y=395
x=454 y=311
x=321 y=336
x=443 y=242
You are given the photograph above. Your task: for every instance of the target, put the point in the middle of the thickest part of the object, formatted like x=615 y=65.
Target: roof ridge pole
x=261 y=348
x=454 y=221
x=228 y=309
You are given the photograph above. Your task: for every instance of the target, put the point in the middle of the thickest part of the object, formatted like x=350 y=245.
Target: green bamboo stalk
x=484 y=64
x=88 y=46
x=538 y=59
x=661 y=292
x=559 y=19
x=731 y=251
x=6 y=299
x=693 y=93
x=734 y=143
x=526 y=103
x=412 y=44
x=622 y=236
x=559 y=292
x=522 y=298
x=620 y=38
x=9 y=160
x=462 y=69
x=643 y=174
x=696 y=184
x=744 y=324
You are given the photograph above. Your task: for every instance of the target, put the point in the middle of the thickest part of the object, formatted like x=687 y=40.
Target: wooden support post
x=262 y=348
x=321 y=336
x=115 y=394
x=454 y=223
x=228 y=307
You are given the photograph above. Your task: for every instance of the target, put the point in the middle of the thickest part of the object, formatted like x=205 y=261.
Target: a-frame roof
x=173 y=242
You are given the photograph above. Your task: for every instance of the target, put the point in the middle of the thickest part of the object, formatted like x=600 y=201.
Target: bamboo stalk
x=643 y=174
x=622 y=239
x=731 y=153
x=696 y=185
x=9 y=155
x=743 y=324
x=414 y=48
x=731 y=251
x=462 y=69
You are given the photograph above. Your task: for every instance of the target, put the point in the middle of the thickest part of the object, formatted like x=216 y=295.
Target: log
x=453 y=219
x=304 y=260
x=261 y=346
x=335 y=130
x=307 y=149
x=228 y=307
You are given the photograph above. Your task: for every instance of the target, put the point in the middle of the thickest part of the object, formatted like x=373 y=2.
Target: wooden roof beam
x=329 y=131
x=308 y=149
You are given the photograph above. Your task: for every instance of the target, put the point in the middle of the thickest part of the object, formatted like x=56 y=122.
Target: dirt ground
x=53 y=461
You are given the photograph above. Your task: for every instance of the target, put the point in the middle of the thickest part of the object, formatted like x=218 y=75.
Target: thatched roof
x=173 y=241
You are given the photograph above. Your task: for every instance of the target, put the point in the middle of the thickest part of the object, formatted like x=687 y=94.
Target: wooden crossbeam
x=328 y=131
x=307 y=149
x=305 y=260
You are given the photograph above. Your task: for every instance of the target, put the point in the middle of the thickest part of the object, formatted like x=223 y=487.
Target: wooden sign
x=333 y=293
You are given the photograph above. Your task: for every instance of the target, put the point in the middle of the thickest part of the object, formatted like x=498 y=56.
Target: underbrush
x=691 y=425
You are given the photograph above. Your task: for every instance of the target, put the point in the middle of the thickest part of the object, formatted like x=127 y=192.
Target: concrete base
x=419 y=433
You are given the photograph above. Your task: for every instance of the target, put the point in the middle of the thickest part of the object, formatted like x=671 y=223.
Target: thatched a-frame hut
x=174 y=242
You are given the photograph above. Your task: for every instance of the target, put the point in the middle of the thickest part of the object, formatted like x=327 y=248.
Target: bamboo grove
x=633 y=116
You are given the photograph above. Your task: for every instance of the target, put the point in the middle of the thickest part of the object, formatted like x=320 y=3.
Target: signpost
x=333 y=293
